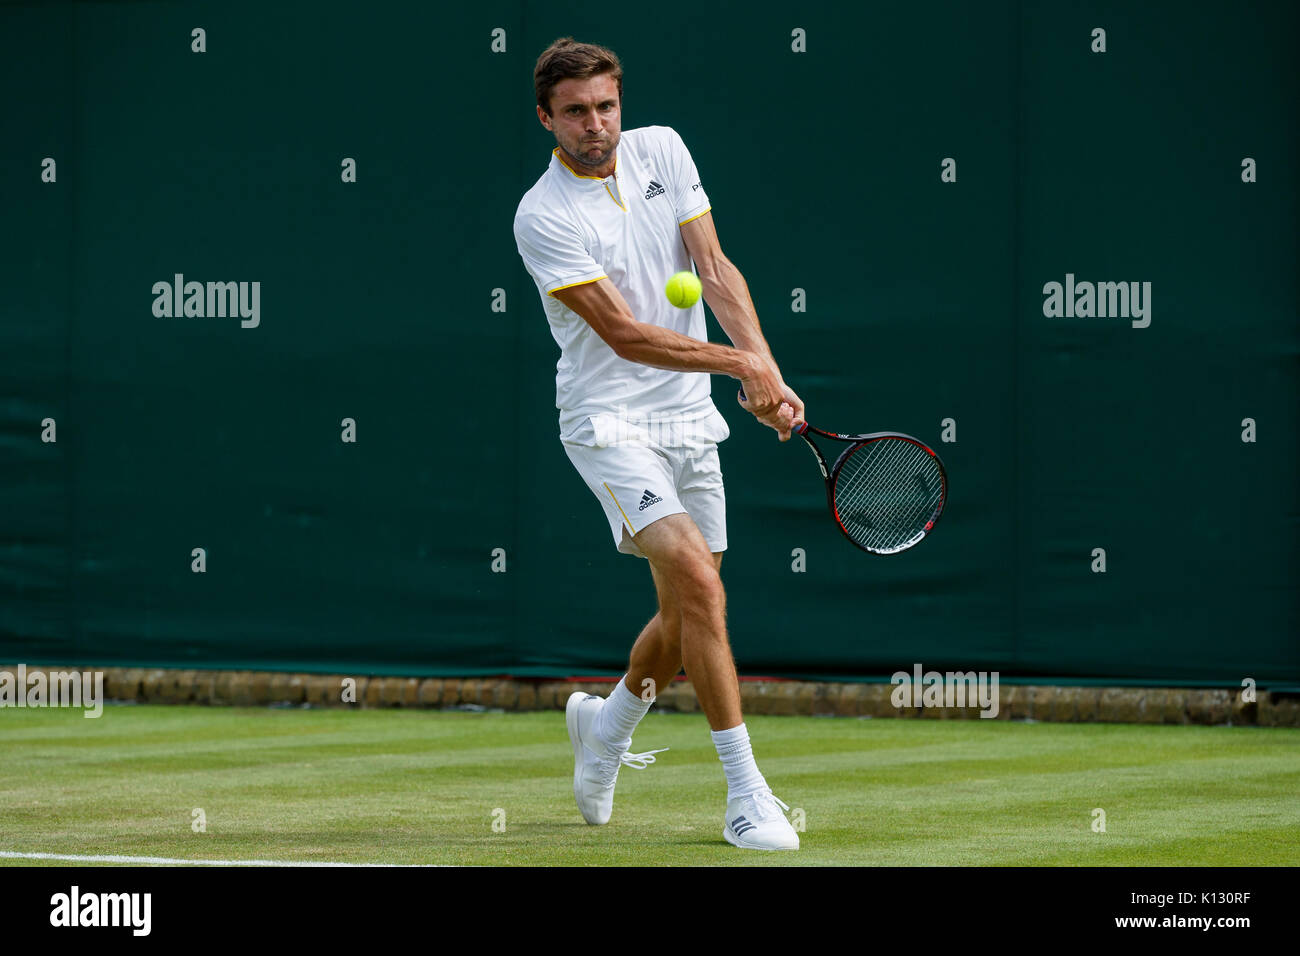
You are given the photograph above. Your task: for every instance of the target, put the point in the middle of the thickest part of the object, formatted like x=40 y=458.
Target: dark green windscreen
x=911 y=177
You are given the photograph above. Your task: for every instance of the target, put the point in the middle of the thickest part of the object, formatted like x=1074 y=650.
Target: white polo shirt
x=571 y=229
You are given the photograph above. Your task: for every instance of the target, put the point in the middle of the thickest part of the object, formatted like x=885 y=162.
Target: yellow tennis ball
x=683 y=290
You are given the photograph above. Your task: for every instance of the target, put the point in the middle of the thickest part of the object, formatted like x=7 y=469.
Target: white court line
x=167 y=861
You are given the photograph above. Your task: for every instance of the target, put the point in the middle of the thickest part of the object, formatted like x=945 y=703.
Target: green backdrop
x=924 y=303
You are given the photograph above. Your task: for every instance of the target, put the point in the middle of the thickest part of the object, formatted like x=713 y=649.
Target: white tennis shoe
x=595 y=768
x=756 y=822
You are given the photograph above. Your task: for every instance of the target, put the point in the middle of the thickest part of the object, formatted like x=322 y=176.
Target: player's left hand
x=786 y=416
x=782 y=420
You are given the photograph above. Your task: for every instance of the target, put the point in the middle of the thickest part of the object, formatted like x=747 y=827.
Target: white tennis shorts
x=638 y=484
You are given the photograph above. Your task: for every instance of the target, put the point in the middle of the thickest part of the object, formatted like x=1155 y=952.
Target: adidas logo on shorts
x=648 y=499
x=654 y=190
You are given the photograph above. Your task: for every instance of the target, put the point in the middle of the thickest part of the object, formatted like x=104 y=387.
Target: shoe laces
x=766 y=804
x=609 y=767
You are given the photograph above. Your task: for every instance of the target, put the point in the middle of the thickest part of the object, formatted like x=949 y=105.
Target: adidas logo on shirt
x=649 y=498
x=654 y=190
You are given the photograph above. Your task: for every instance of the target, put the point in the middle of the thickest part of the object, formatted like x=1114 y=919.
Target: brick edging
x=1158 y=705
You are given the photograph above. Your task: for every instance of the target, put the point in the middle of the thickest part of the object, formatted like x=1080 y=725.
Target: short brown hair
x=566 y=59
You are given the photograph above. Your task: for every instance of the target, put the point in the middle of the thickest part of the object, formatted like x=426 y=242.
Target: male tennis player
x=614 y=215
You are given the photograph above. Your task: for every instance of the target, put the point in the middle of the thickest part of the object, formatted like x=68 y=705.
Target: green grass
x=420 y=787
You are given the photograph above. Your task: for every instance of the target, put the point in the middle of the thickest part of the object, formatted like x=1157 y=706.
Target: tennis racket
x=886 y=490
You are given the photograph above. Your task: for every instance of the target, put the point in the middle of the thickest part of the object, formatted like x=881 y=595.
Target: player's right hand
x=796 y=403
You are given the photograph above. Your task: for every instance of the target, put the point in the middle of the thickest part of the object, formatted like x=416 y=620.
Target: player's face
x=585 y=119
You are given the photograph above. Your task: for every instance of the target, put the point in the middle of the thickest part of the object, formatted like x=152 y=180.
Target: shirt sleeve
x=689 y=199
x=554 y=253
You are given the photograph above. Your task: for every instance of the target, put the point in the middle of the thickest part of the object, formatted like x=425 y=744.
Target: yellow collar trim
x=600 y=179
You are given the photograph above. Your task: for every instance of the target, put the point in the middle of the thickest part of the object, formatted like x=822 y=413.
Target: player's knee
x=700 y=590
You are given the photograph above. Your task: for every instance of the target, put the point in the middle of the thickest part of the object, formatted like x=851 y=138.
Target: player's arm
x=727 y=294
x=603 y=307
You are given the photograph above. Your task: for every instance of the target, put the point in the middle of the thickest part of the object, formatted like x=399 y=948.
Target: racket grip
x=743 y=396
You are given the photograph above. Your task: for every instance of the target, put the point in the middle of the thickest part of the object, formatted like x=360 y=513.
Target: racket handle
x=743 y=396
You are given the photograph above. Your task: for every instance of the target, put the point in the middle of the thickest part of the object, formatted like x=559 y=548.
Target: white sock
x=619 y=715
x=737 y=756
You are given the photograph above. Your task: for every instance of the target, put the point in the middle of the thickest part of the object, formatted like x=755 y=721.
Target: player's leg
x=635 y=480
x=655 y=661
x=657 y=654
x=682 y=561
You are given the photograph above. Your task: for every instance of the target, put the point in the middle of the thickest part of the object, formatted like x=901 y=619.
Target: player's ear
x=543 y=117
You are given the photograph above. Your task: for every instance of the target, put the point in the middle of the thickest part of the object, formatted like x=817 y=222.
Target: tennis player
x=612 y=217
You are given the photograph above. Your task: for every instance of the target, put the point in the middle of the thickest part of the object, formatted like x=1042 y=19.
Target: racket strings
x=883 y=506
x=886 y=492
x=909 y=484
x=881 y=494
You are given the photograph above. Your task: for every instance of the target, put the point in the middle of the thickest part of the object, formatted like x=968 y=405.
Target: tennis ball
x=683 y=290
